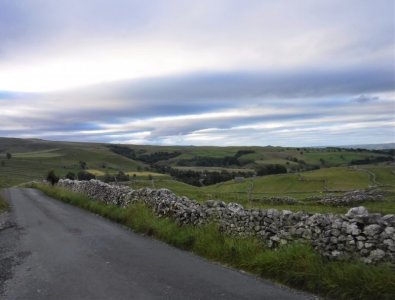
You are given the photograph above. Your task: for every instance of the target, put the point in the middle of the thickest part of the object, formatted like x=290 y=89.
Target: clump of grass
x=3 y=204
x=296 y=265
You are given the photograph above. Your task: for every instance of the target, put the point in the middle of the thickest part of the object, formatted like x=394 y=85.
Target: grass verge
x=3 y=205
x=295 y=265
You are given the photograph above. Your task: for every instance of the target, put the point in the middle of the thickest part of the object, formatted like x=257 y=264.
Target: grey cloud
x=35 y=25
x=213 y=88
x=365 y=98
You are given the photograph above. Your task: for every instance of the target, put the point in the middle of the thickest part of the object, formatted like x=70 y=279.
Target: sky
x=207 y=72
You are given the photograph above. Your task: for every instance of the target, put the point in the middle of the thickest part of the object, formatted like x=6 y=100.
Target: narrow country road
x=52 y=250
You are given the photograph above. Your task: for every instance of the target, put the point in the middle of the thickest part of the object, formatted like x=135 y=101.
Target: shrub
x=83 y=164
x=121 y=176
x=83 y=175
x=52 y=178
x=70 y=175
x=270 y=169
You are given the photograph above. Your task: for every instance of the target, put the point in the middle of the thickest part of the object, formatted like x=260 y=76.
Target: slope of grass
x=39 y=154
x=145 y=174
x=269 y=184
x=385 y=175
x=3 y=204
x=177 y=187
x=295 y=265
x=300 y=186
x=34 y=165
x=32 y=159
x=340 y=178
x=334 y=158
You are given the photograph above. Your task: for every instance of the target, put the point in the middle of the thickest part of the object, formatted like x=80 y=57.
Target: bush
x=83 y=164
x=83 y=175
x=270 y=169
x=121 y=176
x=52 y=178
x=70 y=175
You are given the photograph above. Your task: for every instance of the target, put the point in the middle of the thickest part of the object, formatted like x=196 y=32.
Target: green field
x=214 y=169
x=299 y=186
x=32 y=159
x=39 y=154
x=58 y=156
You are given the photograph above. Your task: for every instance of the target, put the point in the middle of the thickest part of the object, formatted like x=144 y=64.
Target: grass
x=334 y=158
x=3 y=204
x=295 y=265
x=385 y=175
x=39 y=154
x=145 y=174
x=32 y=159
x=300 y=186
x=61 y=157
x=214 y=169
x=340 y=178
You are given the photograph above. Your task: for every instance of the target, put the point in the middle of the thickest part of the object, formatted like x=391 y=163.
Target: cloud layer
x=203 y=73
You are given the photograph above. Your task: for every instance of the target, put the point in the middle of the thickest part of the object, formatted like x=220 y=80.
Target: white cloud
x=48 y=47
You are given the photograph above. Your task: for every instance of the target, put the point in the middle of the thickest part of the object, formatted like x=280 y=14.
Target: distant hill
x=371 y=146
x=33 y=158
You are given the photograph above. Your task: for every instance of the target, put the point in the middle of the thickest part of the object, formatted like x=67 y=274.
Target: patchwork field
x=334 y=171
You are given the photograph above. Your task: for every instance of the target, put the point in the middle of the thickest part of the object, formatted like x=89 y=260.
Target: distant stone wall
x=357 y=234
x=353 y=197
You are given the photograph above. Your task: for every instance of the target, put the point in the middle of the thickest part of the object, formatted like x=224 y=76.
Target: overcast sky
x=207 y=72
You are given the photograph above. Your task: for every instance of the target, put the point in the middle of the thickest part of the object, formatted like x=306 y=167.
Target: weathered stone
x=360 y=245
x=235 y=207
x=353 y=229
x=372 y=229
x=376 y=255
x=389 y=230
x=389 y=242
x=335 y=232
x=356 y=211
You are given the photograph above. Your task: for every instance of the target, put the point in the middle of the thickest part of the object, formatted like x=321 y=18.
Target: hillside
x=33 y=158
x=231 y=174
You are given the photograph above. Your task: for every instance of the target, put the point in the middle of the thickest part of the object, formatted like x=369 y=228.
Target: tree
x=8 y=155
x=121 y=176
x=82 y=164
x=107 y=177
x=270 y=169
x=83 y=175
x=70 y=175
x=52 y=178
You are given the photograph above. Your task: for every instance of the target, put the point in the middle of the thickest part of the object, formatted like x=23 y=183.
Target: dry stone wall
x=357 y=234
x=353 y=197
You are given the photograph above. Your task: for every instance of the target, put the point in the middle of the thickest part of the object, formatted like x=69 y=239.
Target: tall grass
x=3 y=204
x=295 y=265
